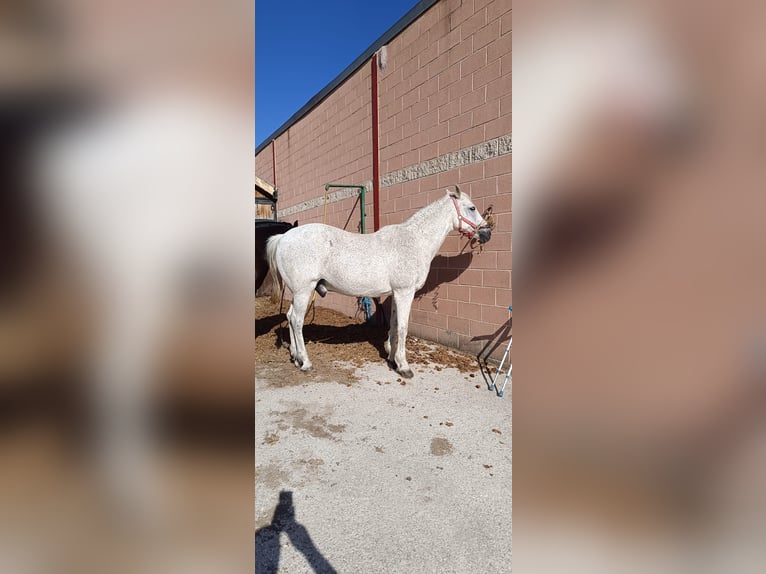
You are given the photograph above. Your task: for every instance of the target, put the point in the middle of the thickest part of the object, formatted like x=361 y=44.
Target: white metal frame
x=492 y=387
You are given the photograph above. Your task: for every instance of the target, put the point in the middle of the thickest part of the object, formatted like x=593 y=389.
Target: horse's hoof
x=407 y=373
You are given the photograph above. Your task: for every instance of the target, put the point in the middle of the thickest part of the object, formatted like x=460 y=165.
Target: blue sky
x=301 y=45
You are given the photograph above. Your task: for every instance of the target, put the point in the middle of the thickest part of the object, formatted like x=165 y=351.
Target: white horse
x=394 y=260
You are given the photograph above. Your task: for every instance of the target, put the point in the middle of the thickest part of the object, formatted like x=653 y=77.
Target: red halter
x=462 y=219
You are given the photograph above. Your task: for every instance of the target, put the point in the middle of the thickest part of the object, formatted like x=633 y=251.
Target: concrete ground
x=382 y=475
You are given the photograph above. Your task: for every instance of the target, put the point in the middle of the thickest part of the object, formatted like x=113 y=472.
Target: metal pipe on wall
x=375 y=143
x=274 y=161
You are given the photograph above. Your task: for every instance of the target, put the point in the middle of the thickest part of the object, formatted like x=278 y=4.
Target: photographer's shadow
x=267 y=549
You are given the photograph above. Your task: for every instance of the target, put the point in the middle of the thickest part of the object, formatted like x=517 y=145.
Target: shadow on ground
x=267 y=549
x=327 y=334
x=494 y=340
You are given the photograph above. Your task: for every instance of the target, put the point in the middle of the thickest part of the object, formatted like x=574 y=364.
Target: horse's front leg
x=402 y=302
x=390 y=344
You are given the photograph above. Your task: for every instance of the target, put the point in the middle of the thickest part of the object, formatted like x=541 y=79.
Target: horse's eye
x=472 y=208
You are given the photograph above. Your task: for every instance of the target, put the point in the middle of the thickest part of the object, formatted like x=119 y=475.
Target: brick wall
x=264 y=166
x=444 y=119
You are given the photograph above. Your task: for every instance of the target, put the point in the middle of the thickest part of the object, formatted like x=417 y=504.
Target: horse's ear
x=455 y=193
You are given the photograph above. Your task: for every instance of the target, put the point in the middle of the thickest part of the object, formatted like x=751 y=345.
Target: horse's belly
x=358 y=288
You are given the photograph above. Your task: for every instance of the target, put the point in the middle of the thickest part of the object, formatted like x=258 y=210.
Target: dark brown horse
x=264 y=230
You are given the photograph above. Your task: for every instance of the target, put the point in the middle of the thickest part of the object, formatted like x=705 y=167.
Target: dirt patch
x=440 y=446
x=420 y=352
x=312 y=462
x=315 y=425
x=271 y=475
x=337 y=344
x=271 y=438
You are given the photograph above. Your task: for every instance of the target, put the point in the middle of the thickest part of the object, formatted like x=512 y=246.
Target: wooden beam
x=264 y=188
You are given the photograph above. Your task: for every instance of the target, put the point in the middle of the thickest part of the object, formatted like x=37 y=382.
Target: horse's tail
x=271 y=257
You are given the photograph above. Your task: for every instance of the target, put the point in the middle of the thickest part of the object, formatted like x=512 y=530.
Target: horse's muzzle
x=484 y=234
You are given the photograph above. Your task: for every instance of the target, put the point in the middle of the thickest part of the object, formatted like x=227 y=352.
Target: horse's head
x=466 y=218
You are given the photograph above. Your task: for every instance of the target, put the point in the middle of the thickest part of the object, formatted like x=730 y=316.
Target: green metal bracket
x=362 y=192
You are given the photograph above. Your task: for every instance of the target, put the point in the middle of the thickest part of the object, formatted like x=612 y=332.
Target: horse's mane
x=424 y=213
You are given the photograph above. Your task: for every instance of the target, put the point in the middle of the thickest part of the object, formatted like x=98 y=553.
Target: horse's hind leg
x=402 y=302
x=299 y=307
x=390 y=344
x=292 y=335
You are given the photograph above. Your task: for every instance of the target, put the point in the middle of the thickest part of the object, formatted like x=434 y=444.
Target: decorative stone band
x=332 y=197
x=466 y=156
